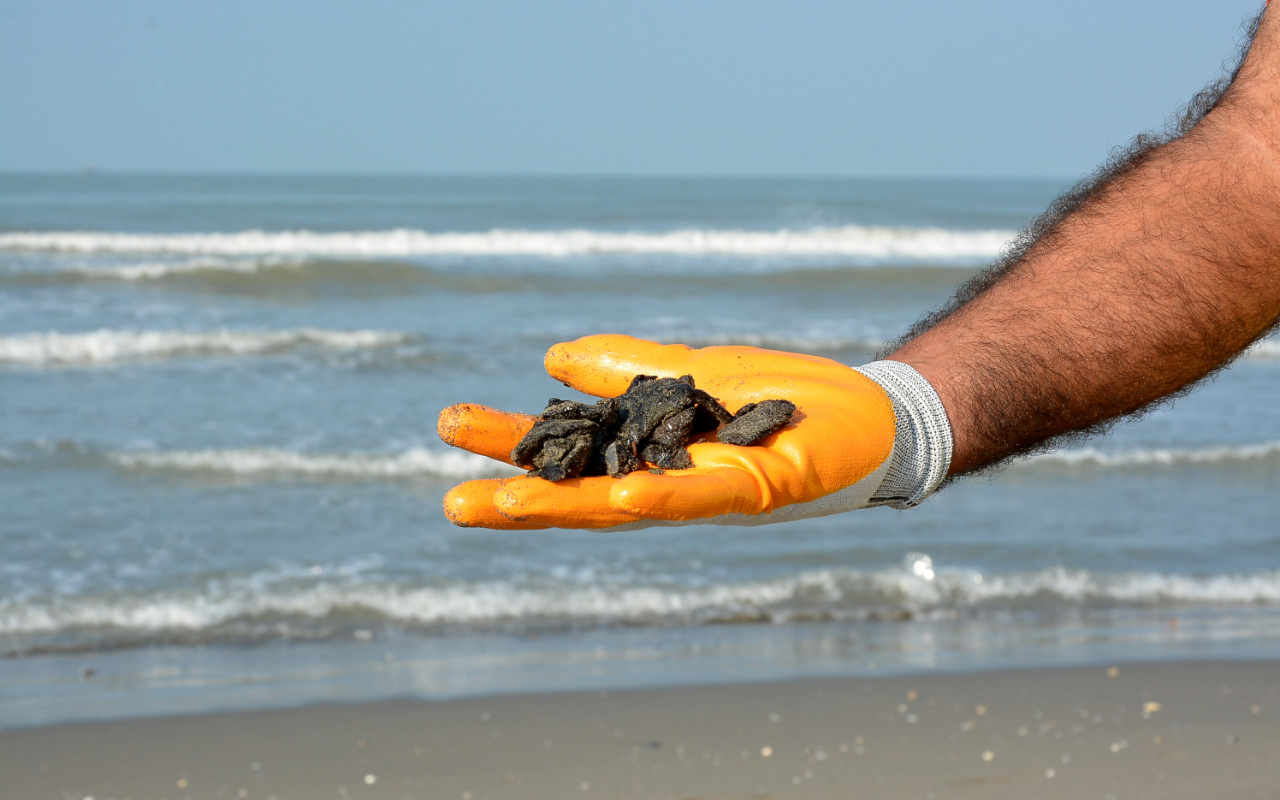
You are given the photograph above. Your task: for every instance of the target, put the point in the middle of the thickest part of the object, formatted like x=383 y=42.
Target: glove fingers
x=470 y=505
x=482 y=430
x=574 y=503
x=688 y=494
x=604 y=365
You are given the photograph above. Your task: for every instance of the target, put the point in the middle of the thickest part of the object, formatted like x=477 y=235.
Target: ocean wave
x=269 y=462
x=269 y=274
x=155 y=270
x=852 y=241
x=1265 y=349
x=112 y=346
x=1263 y=452
x=283 y=604
x=799 y=343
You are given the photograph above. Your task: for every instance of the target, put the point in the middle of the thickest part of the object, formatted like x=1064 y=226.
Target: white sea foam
x=796 y=343
x=854 y=241
x=421 y=462
x=112 y=346
x=1157 y=457
x=1267 y=348
x=155 y=270
x=268 y=462
x=831 y=594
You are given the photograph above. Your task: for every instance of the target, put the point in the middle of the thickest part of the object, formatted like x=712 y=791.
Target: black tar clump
x=648 y=424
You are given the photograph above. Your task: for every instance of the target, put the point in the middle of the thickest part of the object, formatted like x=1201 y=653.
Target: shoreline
x=48 y=689
x=1148 y=729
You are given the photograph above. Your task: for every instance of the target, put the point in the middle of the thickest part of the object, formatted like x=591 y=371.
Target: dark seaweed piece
x=754 y=421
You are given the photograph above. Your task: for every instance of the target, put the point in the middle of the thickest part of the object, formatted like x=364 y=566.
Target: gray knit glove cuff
x=922 y=446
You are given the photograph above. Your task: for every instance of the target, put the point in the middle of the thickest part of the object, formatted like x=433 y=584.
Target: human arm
x=1142 y=281
x=1137 y=284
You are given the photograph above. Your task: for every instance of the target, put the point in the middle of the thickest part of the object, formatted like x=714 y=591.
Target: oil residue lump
x=648 y=426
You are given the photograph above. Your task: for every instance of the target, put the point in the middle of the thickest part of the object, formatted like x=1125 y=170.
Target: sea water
x=220 y=482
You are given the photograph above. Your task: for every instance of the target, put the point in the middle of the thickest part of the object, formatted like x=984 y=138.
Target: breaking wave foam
x=1267 y=348
x=268 y=462
x=111 y=346
x=1157 y=457
x=265 y=600
x=798 y=343
x=160 y=269
x=856 y=241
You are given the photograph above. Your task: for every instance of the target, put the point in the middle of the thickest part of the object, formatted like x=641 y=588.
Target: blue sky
x=686 y=88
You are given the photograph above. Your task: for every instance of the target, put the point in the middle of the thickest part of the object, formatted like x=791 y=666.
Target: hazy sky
x=654 y=87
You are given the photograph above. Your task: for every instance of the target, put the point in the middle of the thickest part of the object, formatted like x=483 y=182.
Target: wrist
x=942 y=377
x=923 y=443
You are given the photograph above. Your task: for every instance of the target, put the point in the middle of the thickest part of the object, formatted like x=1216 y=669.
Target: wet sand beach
x=1158 y=730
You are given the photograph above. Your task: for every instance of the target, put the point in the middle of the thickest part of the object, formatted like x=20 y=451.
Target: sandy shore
x=1181 y=730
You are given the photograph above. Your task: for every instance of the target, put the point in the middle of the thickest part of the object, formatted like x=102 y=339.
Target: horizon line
x=98 y=172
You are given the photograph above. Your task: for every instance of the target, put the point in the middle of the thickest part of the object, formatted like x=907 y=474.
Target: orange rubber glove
x=833 y=456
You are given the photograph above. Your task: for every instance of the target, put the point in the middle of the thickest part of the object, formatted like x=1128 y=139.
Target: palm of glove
x=840 y=437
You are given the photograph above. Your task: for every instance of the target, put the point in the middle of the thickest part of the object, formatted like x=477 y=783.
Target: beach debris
x=648 y=426
x=754 y=421
x=988 y=755
x=370 y=779
x=1113 y=672
x=1050 y=772
x=766 y=751
x=1149 y=708
x=1116 y=747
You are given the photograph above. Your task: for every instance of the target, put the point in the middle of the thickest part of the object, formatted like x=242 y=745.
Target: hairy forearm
x=1143 y=282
